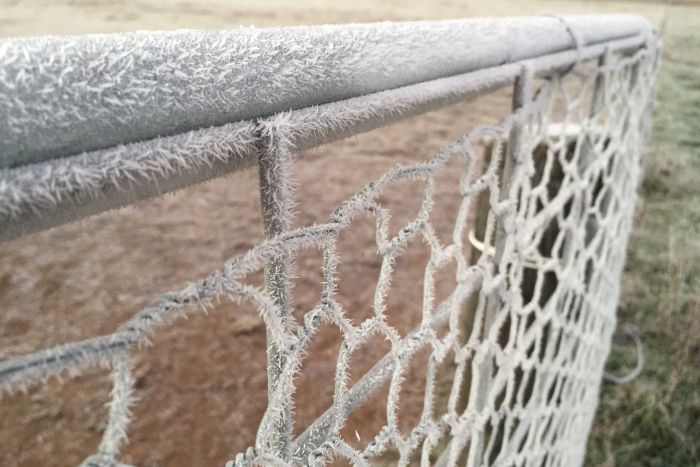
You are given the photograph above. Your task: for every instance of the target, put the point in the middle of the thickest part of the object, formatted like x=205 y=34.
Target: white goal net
x=545 y=206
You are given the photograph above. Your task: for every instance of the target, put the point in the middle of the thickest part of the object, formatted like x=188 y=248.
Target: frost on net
x=527 y=326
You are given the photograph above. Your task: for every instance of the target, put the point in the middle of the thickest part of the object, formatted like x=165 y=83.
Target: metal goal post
x=546 y=201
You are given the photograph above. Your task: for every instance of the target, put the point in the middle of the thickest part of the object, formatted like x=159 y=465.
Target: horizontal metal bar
x=51 y=193
x=61 y=96
x=317 y=125
x=39 y=196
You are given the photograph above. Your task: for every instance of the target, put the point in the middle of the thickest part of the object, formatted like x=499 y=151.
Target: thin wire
x=632 y=332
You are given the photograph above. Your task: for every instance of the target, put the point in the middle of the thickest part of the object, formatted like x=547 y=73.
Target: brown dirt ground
x=201 y=386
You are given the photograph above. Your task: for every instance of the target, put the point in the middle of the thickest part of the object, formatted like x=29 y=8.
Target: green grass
x=655 y=420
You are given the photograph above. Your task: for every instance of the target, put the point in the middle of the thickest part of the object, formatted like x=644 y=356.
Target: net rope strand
x=544 y=371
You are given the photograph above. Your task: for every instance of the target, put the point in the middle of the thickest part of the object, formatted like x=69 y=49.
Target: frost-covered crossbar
x=158 y=111
x=97 y=122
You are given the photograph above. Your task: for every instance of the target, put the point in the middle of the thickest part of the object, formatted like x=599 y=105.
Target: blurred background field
x=201 y=386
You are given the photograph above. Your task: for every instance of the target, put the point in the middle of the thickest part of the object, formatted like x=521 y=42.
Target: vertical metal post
x=276 y=427
x=598 y=98
x=587 y=151
x=522 y=94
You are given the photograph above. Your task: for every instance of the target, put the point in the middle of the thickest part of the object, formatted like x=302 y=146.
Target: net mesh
x=526 y=328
